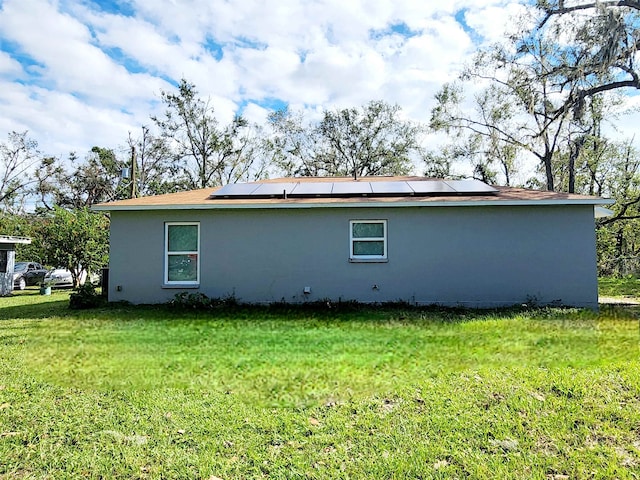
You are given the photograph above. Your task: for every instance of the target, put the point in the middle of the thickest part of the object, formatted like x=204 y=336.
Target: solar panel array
x=354 y=188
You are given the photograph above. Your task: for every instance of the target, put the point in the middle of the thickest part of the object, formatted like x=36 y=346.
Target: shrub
x=85 y=296
x=199 y=301
x=195 y=301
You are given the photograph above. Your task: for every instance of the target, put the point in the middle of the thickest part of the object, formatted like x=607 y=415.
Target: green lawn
x=142 y=392
x=628 y=286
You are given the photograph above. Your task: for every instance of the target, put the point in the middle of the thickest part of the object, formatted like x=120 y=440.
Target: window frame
x=353 y=257
x=167 y=254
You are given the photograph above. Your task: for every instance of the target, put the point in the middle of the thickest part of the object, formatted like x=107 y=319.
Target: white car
x=62 y=278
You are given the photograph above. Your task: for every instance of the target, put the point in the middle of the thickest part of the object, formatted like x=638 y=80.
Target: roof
x=5 y=239
x=205 y=198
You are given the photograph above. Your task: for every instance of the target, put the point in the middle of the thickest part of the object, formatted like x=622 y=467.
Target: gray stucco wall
x=470 y=256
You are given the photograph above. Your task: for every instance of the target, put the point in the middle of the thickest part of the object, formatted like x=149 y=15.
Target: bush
x=199 y=301
x=85 y=296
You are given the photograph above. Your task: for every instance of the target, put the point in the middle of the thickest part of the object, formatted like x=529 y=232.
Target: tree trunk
x=548 y=171
x=572 y=171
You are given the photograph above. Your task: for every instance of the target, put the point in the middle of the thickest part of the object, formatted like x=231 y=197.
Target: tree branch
x=550 y=12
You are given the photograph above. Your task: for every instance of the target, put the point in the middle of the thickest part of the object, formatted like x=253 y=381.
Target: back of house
x=375 y=239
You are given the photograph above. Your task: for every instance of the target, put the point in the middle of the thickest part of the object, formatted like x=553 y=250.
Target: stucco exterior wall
x=458 y=256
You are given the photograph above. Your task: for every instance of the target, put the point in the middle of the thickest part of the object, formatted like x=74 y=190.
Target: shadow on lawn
x=35 y=310
x=49 y=307
x=620 y=311
x=396 y=313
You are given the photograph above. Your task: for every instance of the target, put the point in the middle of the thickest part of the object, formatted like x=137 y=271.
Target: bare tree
x=77 y=183
x=370 y=140
x=596 y=47
x=208 y=153
x=151 y=171
x=517 y=109
x=18 y=157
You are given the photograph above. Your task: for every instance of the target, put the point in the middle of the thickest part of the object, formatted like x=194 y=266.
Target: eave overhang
x=10 y=239
x=293 y=204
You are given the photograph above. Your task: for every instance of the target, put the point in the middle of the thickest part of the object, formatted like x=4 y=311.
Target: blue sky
x=87 y=72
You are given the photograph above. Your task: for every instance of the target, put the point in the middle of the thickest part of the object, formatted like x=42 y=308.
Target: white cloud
x=255 y=113
x=64 y=48
x=10 y=67
x=484 y=19
x=92 y=76
x=61 y=122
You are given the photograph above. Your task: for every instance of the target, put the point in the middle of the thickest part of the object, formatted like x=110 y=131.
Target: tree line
x=543 y=95
x=187 y=148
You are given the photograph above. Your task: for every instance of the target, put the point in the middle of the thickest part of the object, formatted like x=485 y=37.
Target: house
x=7 y=261
x=375 y=239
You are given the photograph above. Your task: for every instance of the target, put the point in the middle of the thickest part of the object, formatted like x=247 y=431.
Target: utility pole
x=134 y=181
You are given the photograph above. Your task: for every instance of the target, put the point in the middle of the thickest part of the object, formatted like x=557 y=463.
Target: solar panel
x=351 y=188
x=312 y=189
x=273 y=189
x=470 y=186
x=391 y=188
x=235 y=190
x=354 y=188
x=430 y=187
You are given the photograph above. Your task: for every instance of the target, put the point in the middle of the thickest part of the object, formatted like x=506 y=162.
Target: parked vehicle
x=62 y=278
x=27 y=273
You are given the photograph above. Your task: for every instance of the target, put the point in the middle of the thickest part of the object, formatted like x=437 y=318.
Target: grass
x=628 y=286
x=144 y=392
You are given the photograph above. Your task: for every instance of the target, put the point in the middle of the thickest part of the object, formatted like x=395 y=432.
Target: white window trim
x=166 y=280
x=368 y=258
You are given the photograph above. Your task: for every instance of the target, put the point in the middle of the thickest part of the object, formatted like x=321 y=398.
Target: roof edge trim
x=15 y=239
x=277 y=206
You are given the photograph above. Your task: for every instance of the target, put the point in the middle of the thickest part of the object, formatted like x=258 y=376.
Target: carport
x=7 y=261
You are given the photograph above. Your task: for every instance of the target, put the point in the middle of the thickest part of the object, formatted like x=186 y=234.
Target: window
x=4 y=261
x=368 y=240
x=182 y=254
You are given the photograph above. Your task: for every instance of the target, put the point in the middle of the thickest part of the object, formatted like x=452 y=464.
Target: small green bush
x=199 y=301
x=85 y=296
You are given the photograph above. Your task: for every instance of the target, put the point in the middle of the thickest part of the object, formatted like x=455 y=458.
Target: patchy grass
x=144 y=392
x=628 y=286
